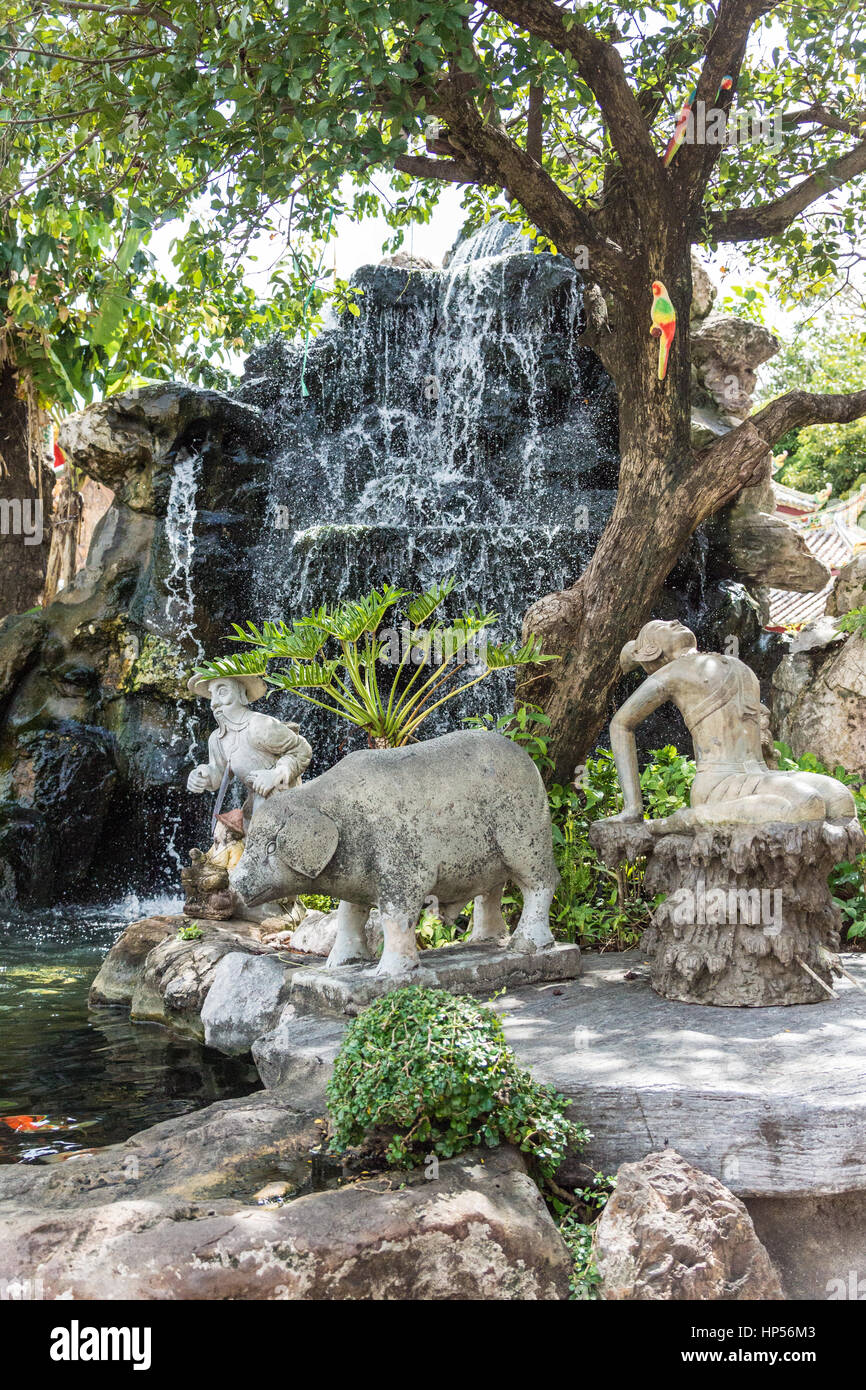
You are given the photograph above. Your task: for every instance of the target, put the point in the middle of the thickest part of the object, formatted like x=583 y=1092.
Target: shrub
x=577 y=1223
x=847 y=881
x=319 y=902
x=431 y=1073
x=594 y=906
x=350 y=638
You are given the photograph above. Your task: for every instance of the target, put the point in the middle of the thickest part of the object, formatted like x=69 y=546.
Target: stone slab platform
x=464 y=969
x=771 y=1101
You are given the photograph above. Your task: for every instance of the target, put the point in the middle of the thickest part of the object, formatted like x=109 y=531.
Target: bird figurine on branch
x=664 y=324
x=682 y=124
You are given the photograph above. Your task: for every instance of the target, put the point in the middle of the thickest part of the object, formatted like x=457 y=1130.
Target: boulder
x=403 y=260
x=819 y=698
x=177 y=974
x=127 y=442
x=316 y=934
x=771 y=553
x=849 y=591
x=21 y=638
x=245 y=999
x=704 y=292
x=177 y=1213
x=55 y=792
x=766 y=550
x=119 y=972
x=298 y=1055
x=671 y=1232
x=726 y=351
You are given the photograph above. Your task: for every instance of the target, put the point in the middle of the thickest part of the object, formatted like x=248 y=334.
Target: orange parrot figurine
x=664 y=324
x=682 y=124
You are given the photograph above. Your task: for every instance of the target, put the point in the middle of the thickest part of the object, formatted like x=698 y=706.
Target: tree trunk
x=657 y=509
x=24 y=514
x=65 y=529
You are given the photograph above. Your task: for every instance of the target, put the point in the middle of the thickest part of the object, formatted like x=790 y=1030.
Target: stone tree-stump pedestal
x=745 y=911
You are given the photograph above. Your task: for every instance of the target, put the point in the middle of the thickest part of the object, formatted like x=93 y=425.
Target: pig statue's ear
x=308 y=841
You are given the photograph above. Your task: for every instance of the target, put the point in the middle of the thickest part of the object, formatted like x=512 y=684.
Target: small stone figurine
x=262 y=752
x=744 y=914
x=206 y=880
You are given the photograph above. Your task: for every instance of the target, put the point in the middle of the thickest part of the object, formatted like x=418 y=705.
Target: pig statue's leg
x=488 y=923
x=351 y=943
x=533 y=929
x=399 y=920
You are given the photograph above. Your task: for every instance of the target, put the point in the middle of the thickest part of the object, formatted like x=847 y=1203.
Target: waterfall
x=180 y=535
x=180 y=626
x=455 y=427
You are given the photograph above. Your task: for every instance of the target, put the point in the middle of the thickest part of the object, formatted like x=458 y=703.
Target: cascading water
x=180 y=621
x=454 y=428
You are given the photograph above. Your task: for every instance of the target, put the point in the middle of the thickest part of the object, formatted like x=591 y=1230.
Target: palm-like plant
x=346 y=675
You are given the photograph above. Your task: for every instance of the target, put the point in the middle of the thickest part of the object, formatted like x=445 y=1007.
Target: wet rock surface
x=178 y=1212
x=165 y=977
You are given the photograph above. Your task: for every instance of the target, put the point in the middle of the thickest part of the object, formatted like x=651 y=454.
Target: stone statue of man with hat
x=262 y=752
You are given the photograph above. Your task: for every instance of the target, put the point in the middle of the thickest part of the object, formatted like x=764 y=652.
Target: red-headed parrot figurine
x=664 y=324
x=682 y=124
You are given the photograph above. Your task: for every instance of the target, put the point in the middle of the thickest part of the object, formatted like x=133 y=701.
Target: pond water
x=73 y=1078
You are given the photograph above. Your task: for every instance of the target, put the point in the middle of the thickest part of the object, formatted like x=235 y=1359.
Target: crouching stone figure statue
x=745 y=916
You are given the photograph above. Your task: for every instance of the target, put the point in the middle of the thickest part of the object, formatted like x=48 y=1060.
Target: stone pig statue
x=453 y=818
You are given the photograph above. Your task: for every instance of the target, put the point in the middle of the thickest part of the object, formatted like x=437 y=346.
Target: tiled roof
x=834 y=545
x=802 y=501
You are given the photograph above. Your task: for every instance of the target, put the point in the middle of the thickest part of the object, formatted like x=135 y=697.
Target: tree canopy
x=253 y=123
x=823 y=356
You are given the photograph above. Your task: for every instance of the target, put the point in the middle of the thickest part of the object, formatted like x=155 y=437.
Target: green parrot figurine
x=664 y=324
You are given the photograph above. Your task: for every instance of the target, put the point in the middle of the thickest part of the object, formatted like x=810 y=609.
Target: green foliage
x=193 y=932
x=822 y=358
x=318 y=902
x=577 y=1228
x=431 y=932
x=389 y=711
x=854 y=621
x=595 y=906
x=847 y=880
x=247 y=128
x=430 y=1072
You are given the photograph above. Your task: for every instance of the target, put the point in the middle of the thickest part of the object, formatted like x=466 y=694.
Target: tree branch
x=601 y=68
x=46 y=173
x=502 y=163
x=819 y=115
x=797 y=409
x=737 y=459
x=768 y=219
x=726 y=49
x=451 y=170
x=152 y=12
